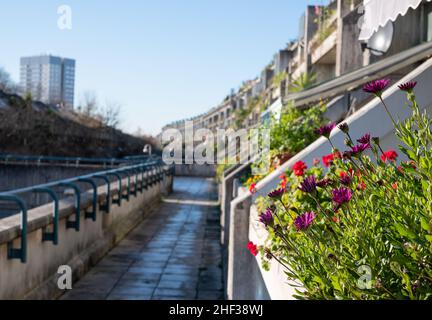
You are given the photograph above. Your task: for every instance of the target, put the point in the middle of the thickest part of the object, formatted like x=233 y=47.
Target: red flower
x=361 y=186
x=283 y=184
x=299 y=168
x=252 y=188
x=328 y=159
x=282 y=176
x=412 y=164
x=390 y=155
x=395 y=186
x=253 y=249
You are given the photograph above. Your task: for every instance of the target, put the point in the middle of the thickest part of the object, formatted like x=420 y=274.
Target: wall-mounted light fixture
x=381 y=40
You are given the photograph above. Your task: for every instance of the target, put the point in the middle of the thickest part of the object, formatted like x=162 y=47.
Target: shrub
x=362 y=229
x=290 y=134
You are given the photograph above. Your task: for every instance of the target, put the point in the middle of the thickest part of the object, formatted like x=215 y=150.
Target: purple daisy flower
x=365 y=139
x=341 y=195
x=266 y=218
x=308 y=185
x=324 y=183
x=304 y=221
x=276 y=194
x=408 y=86
x=376 y=87
x=325 y=130
x=359 y=149
x=345 y=179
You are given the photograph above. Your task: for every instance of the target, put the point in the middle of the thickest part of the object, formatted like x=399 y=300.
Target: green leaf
x=405 y=232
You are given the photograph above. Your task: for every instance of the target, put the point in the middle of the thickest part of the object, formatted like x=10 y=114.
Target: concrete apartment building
x=328 y=46
x=49 y=79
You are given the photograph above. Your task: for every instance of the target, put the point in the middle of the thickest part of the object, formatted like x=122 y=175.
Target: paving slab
x=173 y=254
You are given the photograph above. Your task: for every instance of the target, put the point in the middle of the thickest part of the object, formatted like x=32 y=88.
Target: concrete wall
x=15 y=176
x=243 y=281
x=37 y=279
x=195 y=170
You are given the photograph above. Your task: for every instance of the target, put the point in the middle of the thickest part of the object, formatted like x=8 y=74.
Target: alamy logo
x=365 y=280
x=64 y=281
x=204 y=146
x=64 y=21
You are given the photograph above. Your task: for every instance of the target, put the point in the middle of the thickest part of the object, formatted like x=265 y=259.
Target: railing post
x=74 y=224
x=21 y=253
x=51 y=236
x=91 y=214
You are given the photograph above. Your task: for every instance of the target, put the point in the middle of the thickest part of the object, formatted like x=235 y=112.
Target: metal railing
x=76 y=161
x=144 y=175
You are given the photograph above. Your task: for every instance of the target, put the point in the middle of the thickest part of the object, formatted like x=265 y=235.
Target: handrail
x=51 y=236
x=72 y=160
x=20 y=253
x=137 y=169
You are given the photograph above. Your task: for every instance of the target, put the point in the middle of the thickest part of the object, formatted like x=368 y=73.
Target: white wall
x=372 y=118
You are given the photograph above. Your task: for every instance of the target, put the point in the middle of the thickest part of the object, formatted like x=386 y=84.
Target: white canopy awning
x=378 y=12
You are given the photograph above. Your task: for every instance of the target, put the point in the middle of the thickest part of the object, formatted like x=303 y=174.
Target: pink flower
x=365 y=139
x=341 y=195
x=376 y=87
x=276 y=194
x=408 y=86
x=359 y=149
x=266 y=218
x=304 y=221
x=308 y=185
x=325 y=130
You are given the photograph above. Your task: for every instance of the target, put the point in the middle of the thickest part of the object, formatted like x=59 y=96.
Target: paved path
x=173 y=254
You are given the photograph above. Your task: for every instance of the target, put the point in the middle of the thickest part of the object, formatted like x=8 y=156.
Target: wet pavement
x=173 y=254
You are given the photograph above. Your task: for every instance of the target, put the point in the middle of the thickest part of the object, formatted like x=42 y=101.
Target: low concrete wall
x=244 y=282
x=16 y=176
x=196 y=170
x=37 y=279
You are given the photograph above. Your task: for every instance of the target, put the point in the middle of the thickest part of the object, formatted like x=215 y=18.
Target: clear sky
x=162 y=60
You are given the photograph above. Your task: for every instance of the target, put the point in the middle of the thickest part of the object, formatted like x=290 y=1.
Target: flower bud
x=344 y=127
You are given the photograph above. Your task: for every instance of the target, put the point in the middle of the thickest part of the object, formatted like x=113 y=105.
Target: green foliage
x=376 y=246
x=279 y=78
x=303 y=82
x=241 y=114
x=294 y=131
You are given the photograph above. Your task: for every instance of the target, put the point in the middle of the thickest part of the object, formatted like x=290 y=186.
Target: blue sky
x=162 y=60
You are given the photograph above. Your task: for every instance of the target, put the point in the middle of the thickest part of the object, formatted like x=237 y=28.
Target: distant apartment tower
x=49 y=79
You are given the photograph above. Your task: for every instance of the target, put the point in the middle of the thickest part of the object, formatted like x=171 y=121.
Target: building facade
x=328 y=47
x=49 y=79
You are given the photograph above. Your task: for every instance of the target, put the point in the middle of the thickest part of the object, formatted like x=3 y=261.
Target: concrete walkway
x=173 y=254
